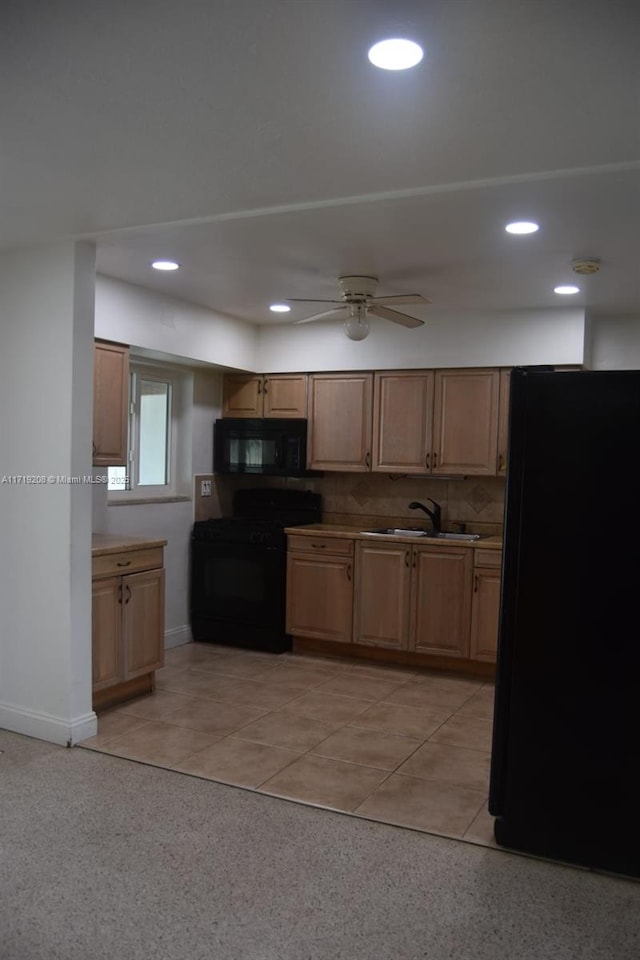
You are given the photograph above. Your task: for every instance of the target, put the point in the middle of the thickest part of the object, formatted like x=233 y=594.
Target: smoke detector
x=586 y=267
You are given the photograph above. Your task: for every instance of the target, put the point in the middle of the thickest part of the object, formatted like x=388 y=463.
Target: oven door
x=238 y=584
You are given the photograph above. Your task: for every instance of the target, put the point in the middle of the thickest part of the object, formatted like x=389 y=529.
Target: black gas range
x=238 y=569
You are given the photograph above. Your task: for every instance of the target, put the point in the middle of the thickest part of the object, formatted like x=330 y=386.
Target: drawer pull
x=319 y=546
x=123 y=563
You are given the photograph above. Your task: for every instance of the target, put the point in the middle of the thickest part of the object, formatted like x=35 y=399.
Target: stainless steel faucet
x=434 y=515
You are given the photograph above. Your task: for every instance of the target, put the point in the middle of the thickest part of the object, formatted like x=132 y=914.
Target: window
x=158 y=436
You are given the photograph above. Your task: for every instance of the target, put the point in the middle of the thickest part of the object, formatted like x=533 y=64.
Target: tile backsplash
x=375 y=499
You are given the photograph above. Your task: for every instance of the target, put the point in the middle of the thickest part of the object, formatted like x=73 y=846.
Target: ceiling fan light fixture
x=395 y=54
x=356 y=325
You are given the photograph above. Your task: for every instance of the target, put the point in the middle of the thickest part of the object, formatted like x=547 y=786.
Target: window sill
x=138 y=501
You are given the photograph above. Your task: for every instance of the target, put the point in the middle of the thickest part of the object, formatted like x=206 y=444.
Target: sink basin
x=398 y=532
x=459 y=536
x=420 y=532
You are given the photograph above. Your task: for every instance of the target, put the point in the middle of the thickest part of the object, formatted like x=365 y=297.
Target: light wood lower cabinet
x=383 y=593
x=127 y=622
x=413 y=598
x=320 y=588
x=427 y=600
x=485 y=614
x=441 y=601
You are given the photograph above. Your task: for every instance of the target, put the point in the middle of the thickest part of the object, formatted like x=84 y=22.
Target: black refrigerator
x=565 y=767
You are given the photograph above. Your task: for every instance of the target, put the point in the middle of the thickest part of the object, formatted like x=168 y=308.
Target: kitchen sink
x=420 y=532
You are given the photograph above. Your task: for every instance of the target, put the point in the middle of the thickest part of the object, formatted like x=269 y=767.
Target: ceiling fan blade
x=318 y=316
x=300 y=300
x=395 y=317
x=395 y=301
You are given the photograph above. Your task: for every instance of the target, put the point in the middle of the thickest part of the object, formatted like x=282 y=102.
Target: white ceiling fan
x=358 y=301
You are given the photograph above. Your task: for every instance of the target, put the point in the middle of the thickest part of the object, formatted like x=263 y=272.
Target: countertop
x=356 y=533
x=105 y=543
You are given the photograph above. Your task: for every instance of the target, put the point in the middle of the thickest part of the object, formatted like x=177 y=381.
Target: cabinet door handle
x=128 y=595
x=259 y=386
x=406 y=559
x=349 y=572
x=319 y=546
x=123 y=563
x=264 y=386
x=475 y=583
x=415 y=559
x=426 y=461
x=435 y=459
x=94 y=448
x=367 y=461
x=501 y=463
x=120 y=593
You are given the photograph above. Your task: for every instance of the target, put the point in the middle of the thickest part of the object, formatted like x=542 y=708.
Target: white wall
x=171 y=521
x=446 y=340
x=613 y=343
x=46 y=374
x=134 y=315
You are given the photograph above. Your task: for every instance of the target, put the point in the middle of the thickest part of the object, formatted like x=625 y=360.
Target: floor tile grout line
x=318 y=806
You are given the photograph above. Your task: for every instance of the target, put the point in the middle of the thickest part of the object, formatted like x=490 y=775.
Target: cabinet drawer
x=336 y=545
x=129 y=561
x=488 y=558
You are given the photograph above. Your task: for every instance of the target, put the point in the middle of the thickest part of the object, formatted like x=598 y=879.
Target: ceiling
x=255 y=144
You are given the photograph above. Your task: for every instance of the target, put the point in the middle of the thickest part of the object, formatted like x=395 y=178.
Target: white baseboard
x=43 y=726
x=177 y=636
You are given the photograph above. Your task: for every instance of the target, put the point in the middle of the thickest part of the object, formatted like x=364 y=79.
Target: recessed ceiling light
x=522 y=226
x=165 y=265
x=280 y=307
x=395 y=54
x=566 y=290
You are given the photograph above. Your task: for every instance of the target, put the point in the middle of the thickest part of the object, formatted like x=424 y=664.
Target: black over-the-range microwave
x=271 y=447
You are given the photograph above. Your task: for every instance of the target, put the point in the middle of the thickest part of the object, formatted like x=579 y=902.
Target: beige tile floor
x=407 y=747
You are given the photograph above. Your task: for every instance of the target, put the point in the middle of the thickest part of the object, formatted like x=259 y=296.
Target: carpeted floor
x=103 y=857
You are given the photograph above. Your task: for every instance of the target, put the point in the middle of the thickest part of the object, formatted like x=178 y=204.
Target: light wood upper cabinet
x=282 y=395
x=320 y=589
x=110 y=404
x=503 y=422
x=241 y=396
x=285 y=395
x=382 y=595
x=441 y=602
x=402 y=421
x=465 y=426
x=340 y=424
